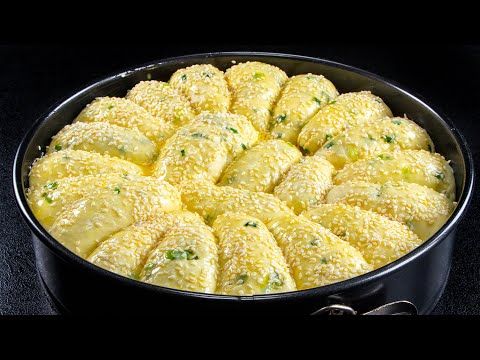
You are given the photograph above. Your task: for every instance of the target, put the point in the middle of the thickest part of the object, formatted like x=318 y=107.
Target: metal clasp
x=394 y=308
x=335 y=309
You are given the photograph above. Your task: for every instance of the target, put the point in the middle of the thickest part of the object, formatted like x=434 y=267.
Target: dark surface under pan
x=419 y=277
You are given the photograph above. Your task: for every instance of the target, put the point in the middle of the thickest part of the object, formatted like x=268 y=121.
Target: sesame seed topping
x=115 y=185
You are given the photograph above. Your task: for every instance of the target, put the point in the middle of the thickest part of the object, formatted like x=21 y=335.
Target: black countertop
x=33 y=77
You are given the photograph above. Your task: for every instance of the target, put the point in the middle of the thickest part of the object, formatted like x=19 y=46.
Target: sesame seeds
x=261 y=167
x=306 y=183
x=417 y=166
x=109 y=139
x=300 y=99
x=349 y=109
x=90 y=181
x=206 y=88
x=254 y=87
x=379 y=239
x=212 y=140
x=250 y=262
x=163 y=102
x=329 y=260
x=54 y=166
x=125 y=113
x=400 y=201
x=186 y=258
x=339 y=150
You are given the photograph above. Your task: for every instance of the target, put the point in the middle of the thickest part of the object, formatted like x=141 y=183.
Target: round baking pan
x=77 y=286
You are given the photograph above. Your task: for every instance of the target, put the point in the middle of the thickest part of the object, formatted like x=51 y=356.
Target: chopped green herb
x=397 y=122
x=258 y=76
x=147 y=269
x=180 y=255
x=199 y=135
x=305 y=150
x=47 y=198
x=191 y=255
x=250 y=223
x=241 y=279
x=378 y=100
x=235 y=131
x=58 y=147
x=208 y=218
x=410 y=225
x=274 y=280
x=279 y=135
x=370 y=137
x=183 y=77
x=207 y=74
x=329 y=144
x=52 y=185
x=270 y=112
x=327 y=96
x=149 y=266
x=385 y=157
x=310 y=77
x=328 y=137
x=122 y=149
x=116 y=190
x=110 y=107
x=182 y=152
x=281 y=118
x=244 y=147
x=317 y=100
x=332 y=102
x=175 y=255
x=324 y=260
x=352 y=152
x=440 y=176
x=389 y=138
x=315 y=242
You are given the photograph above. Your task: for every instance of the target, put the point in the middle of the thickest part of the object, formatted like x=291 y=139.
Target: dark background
x=35 y=76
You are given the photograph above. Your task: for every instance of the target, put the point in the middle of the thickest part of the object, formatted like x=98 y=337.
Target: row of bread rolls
x=92 y=207
x=263 y=93
x=328 y=243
